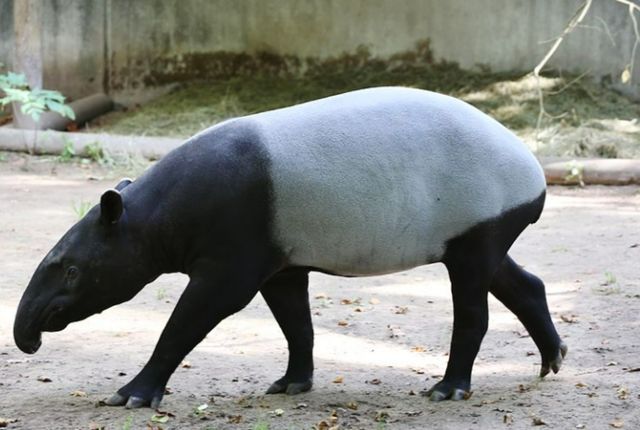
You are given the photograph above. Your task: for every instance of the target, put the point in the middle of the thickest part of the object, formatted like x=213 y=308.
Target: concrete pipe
x=85 y=109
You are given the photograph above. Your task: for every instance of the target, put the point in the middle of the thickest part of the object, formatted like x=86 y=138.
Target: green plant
x=96 y=152
x=81 y=208
x=33 y=102
x=261 y=426
x=68 y=152
x=128 y=422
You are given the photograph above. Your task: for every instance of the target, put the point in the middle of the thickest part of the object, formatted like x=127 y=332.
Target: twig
x=573 y=23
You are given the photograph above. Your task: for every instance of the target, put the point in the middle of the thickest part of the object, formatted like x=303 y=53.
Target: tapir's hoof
x=444 y=391
x=290 y=388
x=132 y=402
x=555 y=363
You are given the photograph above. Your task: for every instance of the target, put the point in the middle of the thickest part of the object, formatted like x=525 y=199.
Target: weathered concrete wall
x=73 y=46
x=6 y=32
x=124 y=46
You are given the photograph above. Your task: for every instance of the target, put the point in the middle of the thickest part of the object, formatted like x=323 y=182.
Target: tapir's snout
x=35 y=315
x=28 y=344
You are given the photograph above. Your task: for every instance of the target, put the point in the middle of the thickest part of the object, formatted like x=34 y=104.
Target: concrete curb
x=53 y=142
x=558 y=171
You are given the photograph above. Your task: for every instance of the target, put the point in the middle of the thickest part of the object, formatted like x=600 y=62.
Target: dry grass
x=589 y=119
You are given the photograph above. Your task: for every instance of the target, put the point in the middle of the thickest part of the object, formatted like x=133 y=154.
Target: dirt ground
x=379 y=340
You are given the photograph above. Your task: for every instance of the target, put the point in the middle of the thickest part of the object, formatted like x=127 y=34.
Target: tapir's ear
x=123 y=183
x=111 y=206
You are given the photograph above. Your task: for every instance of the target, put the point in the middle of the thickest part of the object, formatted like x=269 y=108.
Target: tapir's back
x=378 y=180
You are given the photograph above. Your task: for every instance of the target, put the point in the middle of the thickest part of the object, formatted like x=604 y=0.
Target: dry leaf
x=617 y=423
x=4 y=422
x=381 y=416
x=400 y=310
x=623 y=393
x=626 y=75
x=417 y=349
x=321 y=296
x=346 y=302
x=352 y=405
x=234 y=419
x=185 y=364
x=581 y=385
x=569 y=318
x=338 y=380
x=538 y=422
x=343 y=323
x=78 y=393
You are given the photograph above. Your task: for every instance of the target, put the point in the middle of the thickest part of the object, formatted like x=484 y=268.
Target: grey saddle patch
x=376 y=181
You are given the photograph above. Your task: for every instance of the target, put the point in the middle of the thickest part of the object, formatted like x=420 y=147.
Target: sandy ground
x=369 y=372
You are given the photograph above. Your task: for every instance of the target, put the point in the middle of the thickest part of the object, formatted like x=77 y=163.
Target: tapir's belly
x=378 y=181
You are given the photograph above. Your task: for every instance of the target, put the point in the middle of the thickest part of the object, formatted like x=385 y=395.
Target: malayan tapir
x=363 y=183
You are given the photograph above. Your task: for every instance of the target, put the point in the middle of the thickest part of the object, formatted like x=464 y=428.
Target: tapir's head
x=96 y=264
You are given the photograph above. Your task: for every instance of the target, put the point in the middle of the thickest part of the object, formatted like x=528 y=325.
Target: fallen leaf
x=321 y=296
x=157 y=418
x=347 y=302
x=417 y=349
x=581 y=385
x=381 y=416
x=352 y=405
x=374 y=381
x=617 y=423
x=234 y=419
x=623 y=393
x=343 y=323
x=338 y=380
x=401 y=310
x=185 y=365
x=538 y=422
x=570 y=319
x=4 y=422
x=78 y=393
x=43 y=379
x=374 y=301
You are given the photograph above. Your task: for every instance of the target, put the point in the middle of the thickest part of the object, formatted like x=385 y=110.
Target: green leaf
x=157 y=418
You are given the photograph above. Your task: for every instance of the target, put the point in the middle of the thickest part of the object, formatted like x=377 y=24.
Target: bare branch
x=573 y=23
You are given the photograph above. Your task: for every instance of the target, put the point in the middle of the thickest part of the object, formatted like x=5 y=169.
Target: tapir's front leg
x=214 y=292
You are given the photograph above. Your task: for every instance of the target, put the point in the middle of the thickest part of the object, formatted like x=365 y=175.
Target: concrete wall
x=124 y=46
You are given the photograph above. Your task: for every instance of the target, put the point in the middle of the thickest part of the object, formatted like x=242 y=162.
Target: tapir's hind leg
x=472 y=259
x=524 y=295
x=287 y=295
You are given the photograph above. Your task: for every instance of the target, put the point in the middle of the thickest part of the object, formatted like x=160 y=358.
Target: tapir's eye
x=72 y=273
